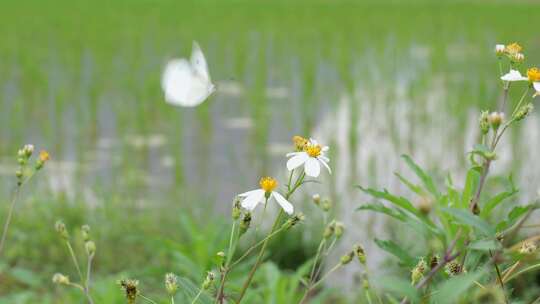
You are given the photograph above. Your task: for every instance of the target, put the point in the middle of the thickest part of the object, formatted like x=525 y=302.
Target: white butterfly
x=187 y=83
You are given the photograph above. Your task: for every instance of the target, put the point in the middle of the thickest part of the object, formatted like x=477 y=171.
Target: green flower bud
x=60 y=279
x=347 y=258
x=360 y=254
x=245 y=223
x=329 y=230
x=90 y=247
x=236 y=210
x=338 y=229
x=484 y=122
x=523 y=112
x=85 y=231
x=293 y=220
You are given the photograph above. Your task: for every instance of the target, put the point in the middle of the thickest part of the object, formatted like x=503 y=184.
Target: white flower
x=514 y=75
x=254 y=197
x=311 y=157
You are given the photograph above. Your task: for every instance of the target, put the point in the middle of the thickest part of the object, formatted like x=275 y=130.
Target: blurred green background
x=372 y=79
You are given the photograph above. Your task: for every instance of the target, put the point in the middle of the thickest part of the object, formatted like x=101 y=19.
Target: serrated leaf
x=395 y=250
x=467 y=218
x=424 y=177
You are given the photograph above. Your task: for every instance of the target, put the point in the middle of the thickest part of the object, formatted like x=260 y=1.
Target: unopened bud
x=496 y=119
x=28 y=150
x=347 y=258
x=338 y=229
x=61 y=229
x=85 y=231
x=434 y=261
x=171 y=283
x=19 y=174
x=90 y=247
x=418 y=271
x=517 y=58
x=326 y=205
x=60 y=279
x=329 y=230
x=299 y=142
x=484 y=122
x=316 y=199
x=43 y=158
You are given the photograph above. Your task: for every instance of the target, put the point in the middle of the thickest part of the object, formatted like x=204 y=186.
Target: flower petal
x=293 y=154
x=325 y=148
x=312 y=167
x=513 y=75
x=247 y=193
x=536 y=86
x=287 y=207
x=297 y=160
x=322 y=161
x=254 y=198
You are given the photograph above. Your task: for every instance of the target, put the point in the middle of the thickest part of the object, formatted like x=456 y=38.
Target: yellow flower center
x=313 y=150
x=513 y=48
x=44 y=156
x=268 y=184
x=299 y=142
x=533 y=74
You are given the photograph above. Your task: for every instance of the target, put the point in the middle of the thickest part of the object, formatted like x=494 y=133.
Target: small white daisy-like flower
x=514 y=75
x=311 y=157
x=266 y=192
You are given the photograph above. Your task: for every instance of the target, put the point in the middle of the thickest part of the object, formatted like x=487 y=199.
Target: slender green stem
x=326 y=253
x=520 y=101
x=9 y=216
x=74 y=259
x=87 y=283
x=499 y=277
x=147 y=299
x=319 y=282
x=172 y=299
x=319 y=251
x=197 y=296
x=14 y=199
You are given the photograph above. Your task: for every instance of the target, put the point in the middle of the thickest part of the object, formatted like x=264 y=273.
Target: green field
x=374 y=79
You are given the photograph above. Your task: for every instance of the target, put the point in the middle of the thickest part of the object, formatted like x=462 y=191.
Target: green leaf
x=424 y=177
x=495 y=201
x=450 y=290
x=398 y=201
x=413 y=187
x=465 y=217
x=485 y=245
x=378 y=207
x=394 y=249
x=471 y=182
x=513 y=216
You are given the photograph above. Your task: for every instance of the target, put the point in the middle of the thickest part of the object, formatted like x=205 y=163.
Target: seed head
x=245 y=223
x=418 y=271
x=210 y=276
x=294 y=220
x=434 y=261
x=528 y=247
x=171 y=283
x=524 y=111
x=360 y=254
x=329 y=230
x=454 y=268
x=130 y=288
x=236 y=209
x=61 y=229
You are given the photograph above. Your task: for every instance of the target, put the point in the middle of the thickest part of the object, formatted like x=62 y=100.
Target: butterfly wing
x=198 y=62
x=176 y=81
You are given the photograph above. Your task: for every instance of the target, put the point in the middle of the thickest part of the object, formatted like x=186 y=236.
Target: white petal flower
x=514 y=75
x=311 y=156
x=254 y=197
